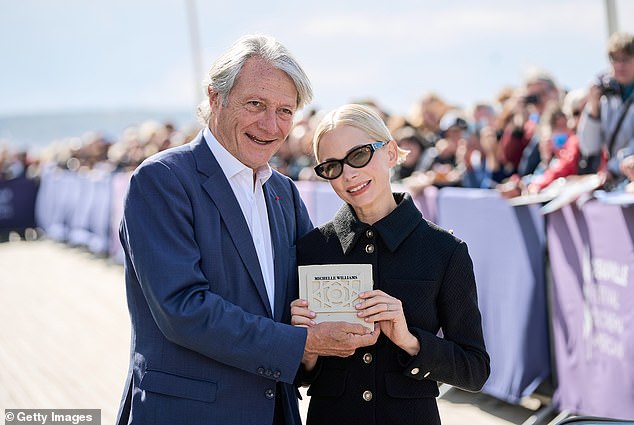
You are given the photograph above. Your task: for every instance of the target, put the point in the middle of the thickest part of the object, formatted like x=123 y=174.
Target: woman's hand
x=301 y=315
x=387 y=311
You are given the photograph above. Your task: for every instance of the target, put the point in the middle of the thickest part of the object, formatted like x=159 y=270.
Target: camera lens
x=531 y=99
x=608 y=85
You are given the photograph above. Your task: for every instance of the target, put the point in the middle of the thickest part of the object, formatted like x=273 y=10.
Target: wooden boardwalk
x=65 y=331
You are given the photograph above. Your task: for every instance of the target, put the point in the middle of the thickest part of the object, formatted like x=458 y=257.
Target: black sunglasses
x=358 y=157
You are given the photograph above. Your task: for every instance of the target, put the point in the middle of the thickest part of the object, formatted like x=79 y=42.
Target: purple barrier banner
x=119 y=186
x=426 y=201
x=89 y=224
x=592 y=253
x=507 y=246
x=57 y=202
x=17 y=203
x=321 y=200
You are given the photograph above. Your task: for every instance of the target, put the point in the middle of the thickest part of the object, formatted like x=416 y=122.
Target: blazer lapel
x=279 y=240
x=220 y=192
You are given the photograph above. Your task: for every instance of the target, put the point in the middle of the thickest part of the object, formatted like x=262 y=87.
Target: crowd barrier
x=507 y=245
x=589 y=248
x=120 y=183
x=17 y=204
x=591 y=251
x=75 y=207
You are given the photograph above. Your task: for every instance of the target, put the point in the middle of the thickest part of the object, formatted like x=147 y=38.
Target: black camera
x=531 y=99
x=608 y=85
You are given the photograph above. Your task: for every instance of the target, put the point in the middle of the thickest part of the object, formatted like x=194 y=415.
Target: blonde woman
x=423 y=284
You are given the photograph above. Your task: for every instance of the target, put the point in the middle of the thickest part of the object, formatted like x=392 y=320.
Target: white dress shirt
x=250 y=196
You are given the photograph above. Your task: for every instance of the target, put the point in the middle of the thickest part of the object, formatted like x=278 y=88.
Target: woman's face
x=368 y=188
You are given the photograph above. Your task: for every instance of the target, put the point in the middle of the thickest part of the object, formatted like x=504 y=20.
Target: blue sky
x=74 y=55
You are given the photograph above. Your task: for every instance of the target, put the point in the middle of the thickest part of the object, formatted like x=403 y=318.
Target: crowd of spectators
x=92 y=151
x=518 y=143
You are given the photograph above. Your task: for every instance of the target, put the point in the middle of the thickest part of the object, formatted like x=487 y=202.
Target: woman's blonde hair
x=363 y=117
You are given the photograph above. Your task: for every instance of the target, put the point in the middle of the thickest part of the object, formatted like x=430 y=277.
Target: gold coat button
x=369 y=248
x=367 y=358
x=369 y=233
x=415 y=371
x=367 y=395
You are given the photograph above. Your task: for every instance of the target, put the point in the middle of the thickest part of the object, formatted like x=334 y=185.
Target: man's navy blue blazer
x=205 y=347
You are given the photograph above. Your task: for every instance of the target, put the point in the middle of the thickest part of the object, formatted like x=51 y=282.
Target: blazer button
x=369 y=234
x=367 y=358
x=269 y=394
x=369 y=248
x=277 y=374
x=260 y=371
x=415 y=371
x=268 y=372
x=367 y=395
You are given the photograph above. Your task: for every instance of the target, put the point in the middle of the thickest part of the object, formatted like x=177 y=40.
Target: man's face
x=258 y=115
x=623 y=67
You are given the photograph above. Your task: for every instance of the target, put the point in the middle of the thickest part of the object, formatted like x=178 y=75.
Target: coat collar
x=393 y=229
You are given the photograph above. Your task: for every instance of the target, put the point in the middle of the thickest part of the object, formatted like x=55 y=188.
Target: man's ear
x=214 y=98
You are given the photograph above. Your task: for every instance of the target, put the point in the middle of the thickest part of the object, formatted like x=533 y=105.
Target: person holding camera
x=607 y=122
x=519 y=141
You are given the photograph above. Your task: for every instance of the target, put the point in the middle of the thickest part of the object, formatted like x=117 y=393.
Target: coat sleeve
x=590 y=134
x=164 y=257
x=459 y=358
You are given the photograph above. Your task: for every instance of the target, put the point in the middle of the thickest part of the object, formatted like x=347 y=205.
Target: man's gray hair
x=225 y=70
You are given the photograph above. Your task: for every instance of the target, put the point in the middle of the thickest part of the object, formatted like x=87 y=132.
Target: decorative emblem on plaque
x=332 y=290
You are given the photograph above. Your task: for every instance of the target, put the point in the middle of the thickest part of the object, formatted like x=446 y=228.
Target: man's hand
x=339 y=339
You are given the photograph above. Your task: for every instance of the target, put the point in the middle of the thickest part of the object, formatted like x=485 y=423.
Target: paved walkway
x=64 y=337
